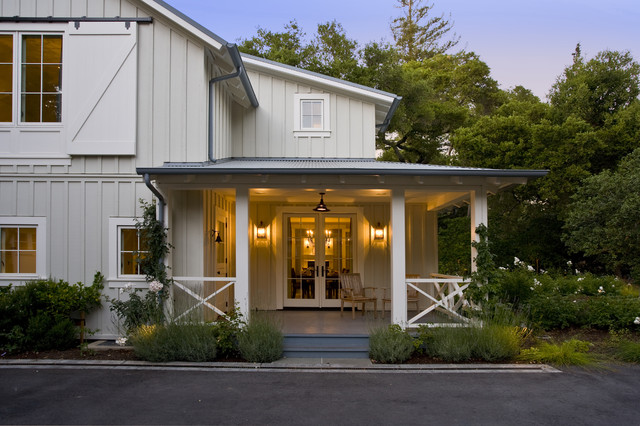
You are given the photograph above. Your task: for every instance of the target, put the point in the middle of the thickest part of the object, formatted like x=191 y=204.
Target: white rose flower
x=155 y=286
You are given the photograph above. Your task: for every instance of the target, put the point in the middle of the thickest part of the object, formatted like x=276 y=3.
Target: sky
x=527 y=43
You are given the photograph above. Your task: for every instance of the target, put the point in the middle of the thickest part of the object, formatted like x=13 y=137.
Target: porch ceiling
x=435 y=200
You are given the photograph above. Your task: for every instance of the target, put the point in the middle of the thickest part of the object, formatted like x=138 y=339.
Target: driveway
x=108 y=395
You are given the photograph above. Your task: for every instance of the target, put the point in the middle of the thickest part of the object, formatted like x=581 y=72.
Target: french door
x=318 y=248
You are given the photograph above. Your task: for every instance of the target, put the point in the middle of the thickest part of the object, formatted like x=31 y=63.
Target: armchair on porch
x=412 y=295
x=352 y=291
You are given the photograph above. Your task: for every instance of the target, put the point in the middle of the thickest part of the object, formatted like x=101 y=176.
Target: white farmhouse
x=104 y=102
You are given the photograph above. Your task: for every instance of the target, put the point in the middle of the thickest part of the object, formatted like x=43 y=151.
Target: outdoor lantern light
x=378 y=232
x=261 y=232
x=321 y=207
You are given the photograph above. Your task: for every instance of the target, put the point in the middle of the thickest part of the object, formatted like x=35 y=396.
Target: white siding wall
x=79 y=199
x=268 y=131
x=77 y=212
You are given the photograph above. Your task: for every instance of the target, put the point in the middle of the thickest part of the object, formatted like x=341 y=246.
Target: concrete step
x=326 y=346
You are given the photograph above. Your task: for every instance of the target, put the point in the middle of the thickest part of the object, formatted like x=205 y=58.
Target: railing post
x=398 y=278
x=479 y=216
x=242 y=251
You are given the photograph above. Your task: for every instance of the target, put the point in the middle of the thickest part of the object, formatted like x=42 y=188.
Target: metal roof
x=328 y=166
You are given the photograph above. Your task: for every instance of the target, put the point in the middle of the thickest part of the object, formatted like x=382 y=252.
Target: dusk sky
x=526 y=43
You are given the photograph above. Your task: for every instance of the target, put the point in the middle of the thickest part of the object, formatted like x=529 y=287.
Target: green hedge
x=36 y=316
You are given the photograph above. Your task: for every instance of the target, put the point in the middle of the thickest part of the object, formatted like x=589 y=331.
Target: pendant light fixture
x=321 y=207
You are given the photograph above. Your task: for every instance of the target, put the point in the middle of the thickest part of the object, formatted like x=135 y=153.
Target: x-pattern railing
x=202 y=300
x=446 y=296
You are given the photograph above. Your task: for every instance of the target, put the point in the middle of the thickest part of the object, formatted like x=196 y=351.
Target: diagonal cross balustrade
x=444 y=294
x=194 y=289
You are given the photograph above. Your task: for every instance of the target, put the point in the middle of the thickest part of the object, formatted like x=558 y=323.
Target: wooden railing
x=195 y=288
x=444 y=293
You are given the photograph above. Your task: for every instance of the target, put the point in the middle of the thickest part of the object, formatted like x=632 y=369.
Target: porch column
x=398 y=285
x=479 y=215
x=242 y=251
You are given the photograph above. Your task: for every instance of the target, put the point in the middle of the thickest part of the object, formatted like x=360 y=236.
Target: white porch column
x=398 y=285
x=479 y=215
x=242 y=251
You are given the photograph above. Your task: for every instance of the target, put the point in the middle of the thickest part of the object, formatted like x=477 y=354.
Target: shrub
x=175 y=342
x=36 y=316
x=572 y=352
x=390 y=344
x=138 y=310
x=261 y=340
x=603 y=312
x=451 y=344
x=498 y=342
x=226 y=330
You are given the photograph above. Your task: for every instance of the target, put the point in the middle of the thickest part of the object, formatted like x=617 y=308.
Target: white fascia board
x=319 y=80
x=184 y=24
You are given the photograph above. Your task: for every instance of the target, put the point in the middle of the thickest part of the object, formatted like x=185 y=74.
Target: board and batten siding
x=172 y=92
x=77 y=228
x=268 y=131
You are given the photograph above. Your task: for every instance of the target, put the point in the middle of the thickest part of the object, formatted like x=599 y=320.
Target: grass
x=570 y=352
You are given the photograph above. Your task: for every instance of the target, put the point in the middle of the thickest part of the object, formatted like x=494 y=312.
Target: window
x=132 y=248
x=311 y=114
x=39 y=77
x=22 y=245
x=126 y=247
x=18 y=250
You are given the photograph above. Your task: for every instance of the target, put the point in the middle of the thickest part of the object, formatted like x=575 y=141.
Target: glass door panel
x=301 y=258
x=338 y=252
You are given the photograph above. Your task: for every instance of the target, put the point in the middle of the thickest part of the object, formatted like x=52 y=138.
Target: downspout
x=244 y=79
x=161 y=202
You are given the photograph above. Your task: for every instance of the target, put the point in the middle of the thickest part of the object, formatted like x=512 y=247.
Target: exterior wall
x=268 y=131
x=78 y=199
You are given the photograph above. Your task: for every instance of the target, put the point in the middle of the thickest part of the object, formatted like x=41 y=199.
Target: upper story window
x=30 y=77
x=311 y=114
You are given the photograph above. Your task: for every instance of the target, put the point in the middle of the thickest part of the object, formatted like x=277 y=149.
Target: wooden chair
x=412 y=295
x=352 y=291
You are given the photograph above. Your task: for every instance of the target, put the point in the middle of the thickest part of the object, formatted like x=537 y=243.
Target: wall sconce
x=261 y=231
x=377 y=233
x=217 y=239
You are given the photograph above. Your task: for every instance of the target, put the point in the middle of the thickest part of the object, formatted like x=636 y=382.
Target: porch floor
x=330 y=321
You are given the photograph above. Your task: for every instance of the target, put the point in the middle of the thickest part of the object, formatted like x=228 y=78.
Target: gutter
x=244 y=79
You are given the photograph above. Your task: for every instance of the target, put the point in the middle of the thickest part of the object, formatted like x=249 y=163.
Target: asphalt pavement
x=99 y=393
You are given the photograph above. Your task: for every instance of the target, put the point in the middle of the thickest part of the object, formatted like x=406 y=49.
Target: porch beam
x=479 y=215
x=242 y=251
x=398 y=273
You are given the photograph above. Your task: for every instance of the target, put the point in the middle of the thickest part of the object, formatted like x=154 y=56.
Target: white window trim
x=326 y=116
x=118 y=280
x=40 y=224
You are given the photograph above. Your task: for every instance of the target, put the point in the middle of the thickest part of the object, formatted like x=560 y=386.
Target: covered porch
x=248 y=234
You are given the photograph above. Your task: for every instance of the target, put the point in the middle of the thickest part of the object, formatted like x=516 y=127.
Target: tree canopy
x=453 y=112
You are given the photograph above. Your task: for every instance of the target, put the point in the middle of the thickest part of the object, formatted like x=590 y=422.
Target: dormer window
x=311 y=114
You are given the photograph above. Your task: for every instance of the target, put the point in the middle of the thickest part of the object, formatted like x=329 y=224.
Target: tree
x=596 y=89
x=602 y=220
x=440 y=94
x=285 y=47
x=418 y=35
x=332 y=53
